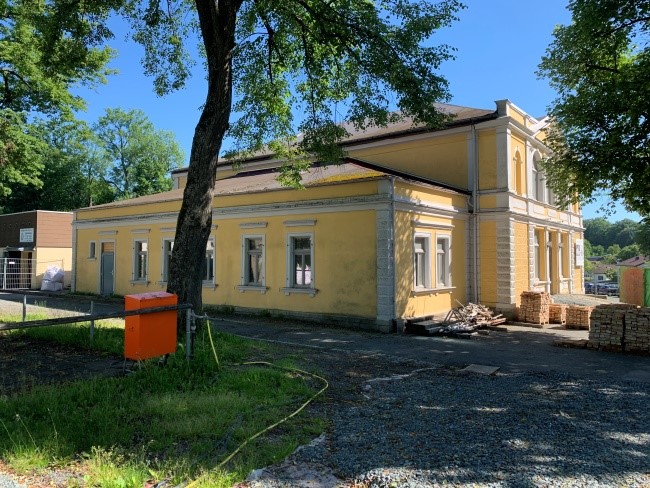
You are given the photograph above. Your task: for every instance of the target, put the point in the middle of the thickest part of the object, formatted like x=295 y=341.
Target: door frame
x=101 y=254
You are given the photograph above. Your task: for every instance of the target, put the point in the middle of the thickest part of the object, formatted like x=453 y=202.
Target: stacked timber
x=557 y=313
x=578 y=317
x=608 y=326
x=535 y=307
x=637 y=330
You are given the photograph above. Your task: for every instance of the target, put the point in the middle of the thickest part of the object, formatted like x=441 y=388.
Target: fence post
x=4 y=273
x=92 y=321
x=24 y=307
x=188 y=334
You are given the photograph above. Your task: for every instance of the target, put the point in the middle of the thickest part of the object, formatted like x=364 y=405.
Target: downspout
x=73 y=278
x=391 y=251
x=476 y=210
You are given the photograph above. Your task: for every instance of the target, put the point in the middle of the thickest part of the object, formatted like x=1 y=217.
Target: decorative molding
x=299 y=223
x=246 y=288
x=253 y=225
x=431 y=225
x=140 y=231
x=168 y=229
x=300 y=291
x=107 y=232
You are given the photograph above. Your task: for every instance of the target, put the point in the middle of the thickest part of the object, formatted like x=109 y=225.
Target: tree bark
x=187 y=265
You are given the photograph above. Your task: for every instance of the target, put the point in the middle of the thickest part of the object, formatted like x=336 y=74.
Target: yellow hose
x=255 y=436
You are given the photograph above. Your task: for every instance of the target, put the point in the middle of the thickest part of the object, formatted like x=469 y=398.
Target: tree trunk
x=187 y=264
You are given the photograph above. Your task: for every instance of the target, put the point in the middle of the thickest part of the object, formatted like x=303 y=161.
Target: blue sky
x=499 y=45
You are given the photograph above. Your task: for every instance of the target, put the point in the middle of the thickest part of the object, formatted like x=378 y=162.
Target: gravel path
x=444 y=427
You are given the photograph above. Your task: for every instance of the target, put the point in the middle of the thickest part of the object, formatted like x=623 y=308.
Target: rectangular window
x=168 y=247
x=92 y=250
x=537 y=257
x=140 y=254
x=209 y=262
x=422 y=262
x=443 y=262
x=253 y=261
x=301 y=262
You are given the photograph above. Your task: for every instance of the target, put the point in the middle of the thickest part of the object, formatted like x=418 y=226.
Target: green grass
x=174 y=422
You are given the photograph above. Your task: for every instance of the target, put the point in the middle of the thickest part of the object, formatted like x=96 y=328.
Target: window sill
x=91 y=259
x=248 y=288
x=432 y=291
x=300 y=291
x=209 y=284
x=139 y=282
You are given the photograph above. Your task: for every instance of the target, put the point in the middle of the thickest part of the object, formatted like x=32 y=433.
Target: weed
x=175 y=422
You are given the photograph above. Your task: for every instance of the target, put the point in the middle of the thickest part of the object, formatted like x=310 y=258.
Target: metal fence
x=16 y=273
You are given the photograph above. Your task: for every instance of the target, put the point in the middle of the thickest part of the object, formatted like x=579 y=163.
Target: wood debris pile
x=463 y=321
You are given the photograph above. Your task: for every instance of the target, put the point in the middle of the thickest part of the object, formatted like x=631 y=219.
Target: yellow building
x=411 y=223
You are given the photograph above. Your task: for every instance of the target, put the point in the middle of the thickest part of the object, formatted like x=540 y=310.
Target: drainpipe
x=476 y=210
x=73 y=278
x=391 y=251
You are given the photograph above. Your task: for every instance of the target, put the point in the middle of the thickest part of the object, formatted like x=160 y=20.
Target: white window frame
x=166 y=256
x=92 y=250
x=537 y=256
x=206 y=281
x=291 y=285
x=426 y=261
x=446 y=238
x=245 y=284
x=136 y=254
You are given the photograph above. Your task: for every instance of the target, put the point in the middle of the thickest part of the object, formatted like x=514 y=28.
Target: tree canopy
x=121 y=156
x=285 y=68
x=137 y=156
x=600 y=67
x=46 y=48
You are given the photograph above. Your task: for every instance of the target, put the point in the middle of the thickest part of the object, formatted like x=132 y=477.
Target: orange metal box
x=150 y=335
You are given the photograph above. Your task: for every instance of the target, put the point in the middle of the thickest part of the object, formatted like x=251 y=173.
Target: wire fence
x=16 y=274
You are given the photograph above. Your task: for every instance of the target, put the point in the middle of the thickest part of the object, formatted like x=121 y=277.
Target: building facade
x=30 y=242
x=412 y=223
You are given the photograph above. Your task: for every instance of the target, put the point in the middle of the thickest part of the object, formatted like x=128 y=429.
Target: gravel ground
x=442 y=427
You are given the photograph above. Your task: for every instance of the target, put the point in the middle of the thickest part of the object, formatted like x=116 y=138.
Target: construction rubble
x=463 y=321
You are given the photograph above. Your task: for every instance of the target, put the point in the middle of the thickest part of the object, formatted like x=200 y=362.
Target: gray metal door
x=108 y=267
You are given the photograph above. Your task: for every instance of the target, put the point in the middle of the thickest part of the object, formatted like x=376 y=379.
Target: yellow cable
x=214 y=351
x=255 y=436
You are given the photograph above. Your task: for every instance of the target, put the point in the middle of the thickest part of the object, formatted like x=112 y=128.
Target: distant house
x=634 y=280
x=602 y=272
x=30 y=242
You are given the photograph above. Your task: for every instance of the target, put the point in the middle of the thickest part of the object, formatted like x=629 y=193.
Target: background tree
x=276 y=58
x=137 y=156
x=46 y=48
x=72 y=174
x=600 y=67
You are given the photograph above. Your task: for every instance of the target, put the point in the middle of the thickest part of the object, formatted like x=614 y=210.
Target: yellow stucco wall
x=488 y=263
x=430 y=158
x=45 y=257
x=411 y=303
x=430 y=196
x=344 y=270
x=487 y=154
x=521 y=260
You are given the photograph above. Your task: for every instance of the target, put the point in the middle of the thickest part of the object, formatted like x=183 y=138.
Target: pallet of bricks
x=534 y=307
x=557 y=313
x=637 y=330
x=578 y=317
x=613 y=325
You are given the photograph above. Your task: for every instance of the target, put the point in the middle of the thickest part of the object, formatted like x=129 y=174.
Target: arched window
x=538 y=180
x=519 y=181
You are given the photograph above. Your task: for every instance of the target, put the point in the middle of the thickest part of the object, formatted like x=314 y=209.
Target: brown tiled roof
x=266 y=180
x=460 y=115
x=635 y=261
